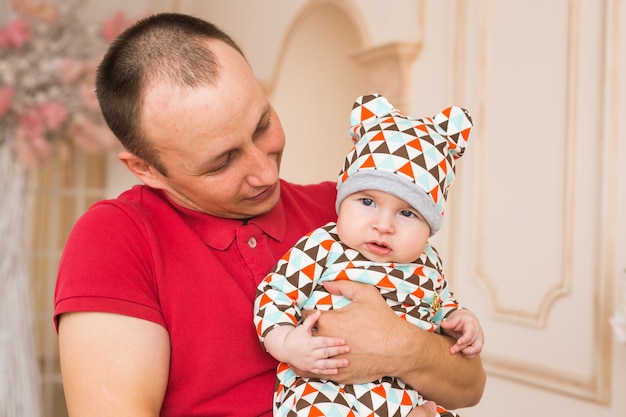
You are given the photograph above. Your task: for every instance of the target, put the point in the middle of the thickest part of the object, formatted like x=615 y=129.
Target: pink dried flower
x=4 y=38
x=45 y=11
x=17 y=33
x=6 y=99
x=54 y=114
x=71 y=70
x=31 y=125
x=28 y=151
x=52 y=104
x=115 y=25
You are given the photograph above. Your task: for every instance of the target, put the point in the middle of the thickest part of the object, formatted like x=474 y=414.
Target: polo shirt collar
x=219 y=232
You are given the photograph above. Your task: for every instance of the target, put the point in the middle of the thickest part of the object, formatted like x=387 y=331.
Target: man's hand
x=369 y=327
x=428 y=409
x=383 y=344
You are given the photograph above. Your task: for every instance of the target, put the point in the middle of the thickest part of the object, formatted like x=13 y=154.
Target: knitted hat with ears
x=410 y=158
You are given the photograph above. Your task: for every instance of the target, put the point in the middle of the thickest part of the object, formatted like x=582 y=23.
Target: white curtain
x=19 y=374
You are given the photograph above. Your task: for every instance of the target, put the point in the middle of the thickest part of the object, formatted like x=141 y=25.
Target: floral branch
x=48 y=60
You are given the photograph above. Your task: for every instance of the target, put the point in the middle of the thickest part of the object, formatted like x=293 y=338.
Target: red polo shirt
x=196 y=275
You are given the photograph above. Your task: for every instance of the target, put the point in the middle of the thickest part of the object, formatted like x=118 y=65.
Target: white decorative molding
x=562 y=286
x=594 y=383
x=614 y=77
x=350 y=10
x=618 y=320
x=389 y=69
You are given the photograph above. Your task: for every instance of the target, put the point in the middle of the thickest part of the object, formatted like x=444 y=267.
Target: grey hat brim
x=389 y=182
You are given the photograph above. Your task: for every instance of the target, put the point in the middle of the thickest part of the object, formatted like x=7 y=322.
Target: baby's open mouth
x=379 y=248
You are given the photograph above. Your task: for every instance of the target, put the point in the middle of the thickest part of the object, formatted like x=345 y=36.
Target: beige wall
x=534 y=237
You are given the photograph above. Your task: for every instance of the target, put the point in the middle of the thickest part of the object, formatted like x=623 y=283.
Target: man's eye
x=262 y=128
x=221 y=167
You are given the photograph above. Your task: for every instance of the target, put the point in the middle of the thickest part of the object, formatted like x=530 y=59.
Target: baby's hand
x=464 y=326
x=314 y=353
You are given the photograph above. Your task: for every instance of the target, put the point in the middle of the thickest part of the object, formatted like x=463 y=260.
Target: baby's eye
x=367 y=202
x=407 y=213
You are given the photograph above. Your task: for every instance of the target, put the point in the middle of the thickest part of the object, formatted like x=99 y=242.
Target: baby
x=390 y=201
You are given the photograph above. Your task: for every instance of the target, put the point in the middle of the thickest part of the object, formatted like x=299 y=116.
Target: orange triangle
x=379 y=136
x=366 y=113
x=342 y=276
x=419 y=293
x=309 y=271
x=423 y=128
x=315 y=412
x=327 y=300
x=380 y=390
x=435 y=195
x=465 y=133
x=309 y=389
x=264 y=300
x=406 y=399
x=326 y=244
x=293 y=294
x=407 y=170
x=416 y=144
x=385 y=282
x=369 y=163
x=447 y=111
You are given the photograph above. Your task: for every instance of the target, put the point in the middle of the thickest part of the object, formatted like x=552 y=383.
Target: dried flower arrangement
x=48 y=59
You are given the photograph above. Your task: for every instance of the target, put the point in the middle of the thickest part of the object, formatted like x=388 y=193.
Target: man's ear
x=142 y=170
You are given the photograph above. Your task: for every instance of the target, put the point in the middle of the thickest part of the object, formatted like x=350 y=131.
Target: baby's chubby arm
x=297 y=346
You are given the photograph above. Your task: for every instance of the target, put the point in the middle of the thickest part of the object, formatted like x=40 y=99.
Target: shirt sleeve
x=107 y=265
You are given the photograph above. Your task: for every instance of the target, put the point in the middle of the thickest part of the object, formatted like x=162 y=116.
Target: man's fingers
x=428 y=409
x=350 y=289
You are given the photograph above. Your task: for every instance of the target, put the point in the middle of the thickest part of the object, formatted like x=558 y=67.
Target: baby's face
x=382 y=227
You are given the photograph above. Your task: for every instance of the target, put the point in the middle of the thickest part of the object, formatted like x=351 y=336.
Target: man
x=155 y=289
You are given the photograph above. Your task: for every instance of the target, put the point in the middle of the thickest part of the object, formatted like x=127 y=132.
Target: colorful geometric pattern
x=419 y=151
x=417 y=292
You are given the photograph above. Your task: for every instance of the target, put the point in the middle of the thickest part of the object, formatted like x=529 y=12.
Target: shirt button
x=252 y=242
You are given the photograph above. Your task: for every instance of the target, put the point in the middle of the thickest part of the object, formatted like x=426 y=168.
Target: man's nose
x=263 y=169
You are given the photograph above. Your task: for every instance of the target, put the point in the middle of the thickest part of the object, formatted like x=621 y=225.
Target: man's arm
x=382 y=344
x=113 y=365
